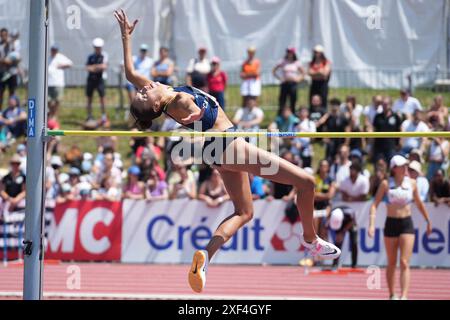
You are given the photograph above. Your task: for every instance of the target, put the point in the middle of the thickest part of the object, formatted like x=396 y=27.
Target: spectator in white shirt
x=356 y=186
x=352 y=110
x=250 y=117
x=143 y=66
x=406 y=105
x=340 y=169
x=371 y=111
x=414 y=125
x=302 y=147
x=423 y=186
x=56 y=82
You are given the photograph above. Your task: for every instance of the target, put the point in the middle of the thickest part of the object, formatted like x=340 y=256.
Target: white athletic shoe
x=199 y=267
x=322 y=249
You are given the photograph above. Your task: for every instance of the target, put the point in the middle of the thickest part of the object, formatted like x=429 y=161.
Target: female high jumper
x=187 y=105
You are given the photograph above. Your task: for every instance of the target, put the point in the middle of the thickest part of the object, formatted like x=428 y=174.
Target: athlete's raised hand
x=193 y=117
x=125 y=26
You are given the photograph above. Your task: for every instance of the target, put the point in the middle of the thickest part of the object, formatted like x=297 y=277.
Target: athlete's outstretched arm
x=127 y=29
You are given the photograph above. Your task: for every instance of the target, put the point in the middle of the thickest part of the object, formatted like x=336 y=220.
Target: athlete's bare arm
x=127 y=29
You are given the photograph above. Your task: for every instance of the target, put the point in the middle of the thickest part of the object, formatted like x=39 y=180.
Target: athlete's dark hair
x=143 y=117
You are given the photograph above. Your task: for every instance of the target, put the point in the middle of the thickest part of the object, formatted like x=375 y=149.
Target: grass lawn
x=72 y=112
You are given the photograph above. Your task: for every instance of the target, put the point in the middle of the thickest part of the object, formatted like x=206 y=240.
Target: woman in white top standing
x=398 y=192
x=292 y=74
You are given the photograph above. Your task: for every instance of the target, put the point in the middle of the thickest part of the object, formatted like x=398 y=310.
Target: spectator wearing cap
x=217 y=82
x=198 y=70
x=21 y=150
x=12 y=186
x=14 y=118
x=406 y=105
x=52 y=185
x=9 y=63
x=64 y=194
x=440 y=189
x=57 y=63
x=74 y=182
x=163 y=68
x=133 y=188
x=357 y=155
x=342 y=220
x=320 y=71
x=387 y=121
x=413 y=125
x=155 y=187
x=250 y=75
x=415 y=172
x=356 y=186
x=291 y=75
x=96 y=65
x=143 y=66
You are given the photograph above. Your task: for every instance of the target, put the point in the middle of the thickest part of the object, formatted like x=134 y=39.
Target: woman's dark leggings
x=319 y=87
x=288 y=90
x=353 y=232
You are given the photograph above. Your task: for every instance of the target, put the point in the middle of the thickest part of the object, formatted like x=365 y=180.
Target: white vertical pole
x=37 y=114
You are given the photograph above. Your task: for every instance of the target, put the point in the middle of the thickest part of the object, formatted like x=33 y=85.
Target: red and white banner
x=86 y=230
x=170 y=231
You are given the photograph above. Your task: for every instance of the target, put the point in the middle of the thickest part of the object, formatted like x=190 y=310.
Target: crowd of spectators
x=350 y=170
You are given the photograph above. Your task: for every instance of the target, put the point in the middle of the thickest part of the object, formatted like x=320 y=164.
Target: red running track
x=133 y=281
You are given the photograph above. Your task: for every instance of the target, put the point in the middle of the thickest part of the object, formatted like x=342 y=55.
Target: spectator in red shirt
x=217 y=82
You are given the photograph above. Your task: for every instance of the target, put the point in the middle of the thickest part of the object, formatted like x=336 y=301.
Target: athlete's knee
x=245 y=213
x=404 y=263
x=305 y=183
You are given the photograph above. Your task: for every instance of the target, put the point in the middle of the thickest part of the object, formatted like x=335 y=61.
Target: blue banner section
x=31 y=131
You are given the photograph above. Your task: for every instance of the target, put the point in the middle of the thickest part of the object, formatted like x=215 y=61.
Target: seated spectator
x=438 y=113
x=14 y=117
x=212 y=191
x=356 y=186
x=147 y=164
x=21 y=150
x=155 y=187
x=74 y=182
x=147 y=144
x=340 y=169
x=325 y=191
x=182 y=183
x=356 y=155
x=217 y=82
x=342 y=220
x=437 y=155
x=163 y=69
x=415 y=172
x=335 y=122
x=406 y=105
x=371 y=111
x=52 y=185
x=302 y=147
x=257 y=187
x=284 y=122
x=198 y=70
x=317 y=111
x=440 y=189
x=134 y=189
x=73 y=157
x=65 y=194
x=381 y=174
x=416 y=155
x=108 y=169
x=12 y=187
x=414 y=125
x=352 y=110
x=107 y=191
x=387 y=121
x=250 y=117
x=279 y=190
